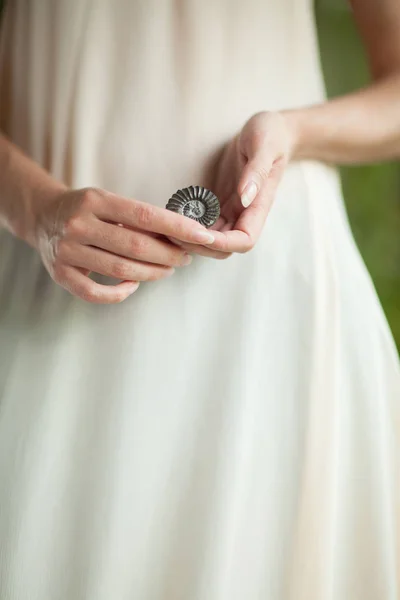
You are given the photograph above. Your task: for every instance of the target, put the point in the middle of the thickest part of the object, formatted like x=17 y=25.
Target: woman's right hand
x=91 y=230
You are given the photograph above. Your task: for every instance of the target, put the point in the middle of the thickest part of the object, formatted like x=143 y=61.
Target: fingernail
x=249 y=193
x=203 y=237
x=186 y=260
x=134 y=287
x=169 y=272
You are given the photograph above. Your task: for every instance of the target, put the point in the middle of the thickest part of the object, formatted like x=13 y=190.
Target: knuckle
x=178 y=231
x=88 y=292
x=119 y=296
x=62 y=250
x=75 y=226
x=90 y=198
x=151 y=276
x=278 y=167
x=144 y=273
x=139 y=246
x=181 y=231
x=145 y=215
x=264 y=171
x=175 y=259
x=224 y=247
x=121 y=270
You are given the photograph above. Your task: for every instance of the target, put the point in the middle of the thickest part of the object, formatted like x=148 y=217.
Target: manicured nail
x=203 y=237
x=249 y=193
x=186 y=260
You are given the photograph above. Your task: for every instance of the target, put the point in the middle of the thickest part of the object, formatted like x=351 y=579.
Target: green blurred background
x=372 y=193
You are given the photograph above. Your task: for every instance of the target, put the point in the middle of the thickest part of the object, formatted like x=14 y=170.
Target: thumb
x=254 y=176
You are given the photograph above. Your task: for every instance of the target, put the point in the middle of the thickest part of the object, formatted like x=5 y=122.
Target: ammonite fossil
x=196 y=202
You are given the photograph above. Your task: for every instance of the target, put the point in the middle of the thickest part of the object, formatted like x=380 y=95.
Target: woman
x=230 y=431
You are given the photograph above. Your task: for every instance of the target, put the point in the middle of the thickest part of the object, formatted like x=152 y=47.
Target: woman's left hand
x=246 y=178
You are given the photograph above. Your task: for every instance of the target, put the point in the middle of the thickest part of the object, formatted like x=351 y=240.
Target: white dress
x=230 y=433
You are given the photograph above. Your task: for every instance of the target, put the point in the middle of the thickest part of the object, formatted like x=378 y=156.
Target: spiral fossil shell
x=196 y=202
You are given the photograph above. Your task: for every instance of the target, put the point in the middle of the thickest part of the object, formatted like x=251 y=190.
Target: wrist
x=31 y=213
x=296 y=121
x=26 y=188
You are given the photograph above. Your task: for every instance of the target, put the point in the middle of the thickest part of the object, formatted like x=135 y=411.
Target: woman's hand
x=245 y=181
x=91 y=230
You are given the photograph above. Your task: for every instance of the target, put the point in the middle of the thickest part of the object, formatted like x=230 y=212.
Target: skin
x=79 y=231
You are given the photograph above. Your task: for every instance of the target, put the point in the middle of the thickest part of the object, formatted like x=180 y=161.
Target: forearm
x=361 y=127
x=24 y=187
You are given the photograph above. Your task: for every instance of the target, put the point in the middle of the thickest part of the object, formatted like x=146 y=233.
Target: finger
x=111 y=265
x=221 y=225
x=233 y=241
x=81 y=286
x=147 y=217
x=254 y=175
x=252 y=220
x=203 y=251
x=135 y=245
x=259 y=152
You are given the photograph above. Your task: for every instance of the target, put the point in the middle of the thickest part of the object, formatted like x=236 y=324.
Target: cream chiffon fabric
x=231 y=433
